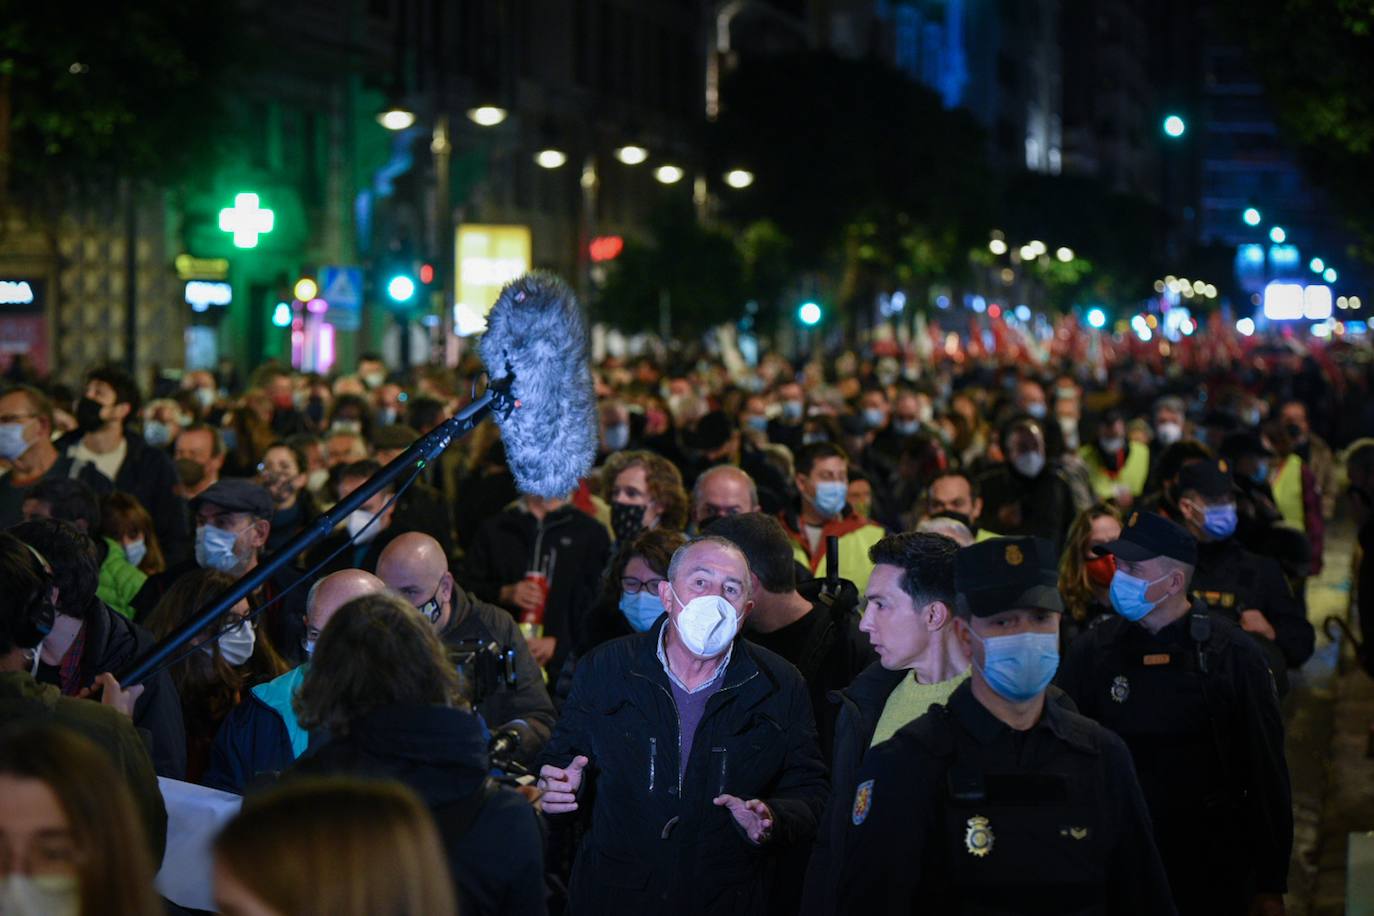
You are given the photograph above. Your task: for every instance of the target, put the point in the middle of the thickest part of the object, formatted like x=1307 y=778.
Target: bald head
x=415 y=567
x=723 y=490
x=332 y=592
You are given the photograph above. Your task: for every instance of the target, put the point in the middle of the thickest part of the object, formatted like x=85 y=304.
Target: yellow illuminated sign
x=486 y=259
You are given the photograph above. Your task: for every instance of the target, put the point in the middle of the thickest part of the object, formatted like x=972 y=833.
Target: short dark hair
x=376 y=651
x=125 y=389
x=22 y=580
x=424 y=412
x=216 y=438
x=71 y=555
x=765 y=545
x=70 y=500
x=926 y=561
x=973 y=490
x=810 y=454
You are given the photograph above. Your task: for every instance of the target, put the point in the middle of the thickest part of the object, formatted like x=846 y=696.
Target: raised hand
x=753 y=816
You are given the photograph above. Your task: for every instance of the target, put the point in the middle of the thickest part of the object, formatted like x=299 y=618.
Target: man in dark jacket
x=25 y=583
x=261 y=734
x=88 y=639
x=561 y=542
x=691 y=752
x=1026 y=495
x=421 y=507
x=414 y=567
x=111 y=399
x=909 y=615
x=1242 y=586
x=367 y=530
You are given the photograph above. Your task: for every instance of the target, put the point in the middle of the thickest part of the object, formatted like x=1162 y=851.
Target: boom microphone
x=536 y=332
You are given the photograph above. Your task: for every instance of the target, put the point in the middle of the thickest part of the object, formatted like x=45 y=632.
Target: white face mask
x=1169 y=433
x=1029 y=464
x=39 y=895
x=316 y=480
x=707 y=624
x=359 y=529
x=235 y=645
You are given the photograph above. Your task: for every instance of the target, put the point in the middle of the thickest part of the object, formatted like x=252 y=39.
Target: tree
x=863 y=169
x=1316 y=59
x=98 y=91
x=695 y=273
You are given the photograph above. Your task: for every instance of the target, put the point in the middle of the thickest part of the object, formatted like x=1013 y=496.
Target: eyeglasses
x=632 y=586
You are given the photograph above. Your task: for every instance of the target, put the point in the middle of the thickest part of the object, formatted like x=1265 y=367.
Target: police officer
x=1196 y=704
x=1243 y=586
x=1004 y=800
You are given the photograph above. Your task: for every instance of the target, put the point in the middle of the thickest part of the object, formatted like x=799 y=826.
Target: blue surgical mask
x=831 y=496
x=906 y=427
x=792 y=411
x=617 y=437
x=1128 y=595
x=156 y=433
x=1261 y=474
x=873 y=417
x=757 y=423
x=641 y=609
x=1037 y=409
x=12 y=443
x=135 y=551
x=215 y=549
x=1021 y=666
x=1219 y=521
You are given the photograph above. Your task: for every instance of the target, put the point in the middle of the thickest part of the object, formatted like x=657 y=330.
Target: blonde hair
x=339 y=847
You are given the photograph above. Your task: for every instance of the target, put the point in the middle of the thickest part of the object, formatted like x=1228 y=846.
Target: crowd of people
x=853 y=636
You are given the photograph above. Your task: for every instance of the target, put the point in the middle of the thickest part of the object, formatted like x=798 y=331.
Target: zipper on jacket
x=653 y=757
x=682 y=764
x=720 y=771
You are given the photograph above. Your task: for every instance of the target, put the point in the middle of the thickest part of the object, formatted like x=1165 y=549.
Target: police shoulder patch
x=863 y=803
x=1014 y=556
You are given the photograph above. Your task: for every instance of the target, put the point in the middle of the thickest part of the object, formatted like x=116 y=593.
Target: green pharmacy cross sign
x=246 y=220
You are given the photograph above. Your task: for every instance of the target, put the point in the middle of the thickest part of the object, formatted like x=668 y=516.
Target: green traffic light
x=1174 y=126
x=809 y=314
x=400 y=288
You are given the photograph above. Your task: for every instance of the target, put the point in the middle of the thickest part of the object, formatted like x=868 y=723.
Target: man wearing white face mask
x=369 y=527
x=1117 y=467
x=701 y=750
x=1026 y=496
x=1002 y=800
x=1195 y=702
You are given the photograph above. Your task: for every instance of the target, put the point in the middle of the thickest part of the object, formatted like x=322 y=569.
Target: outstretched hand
x=112 y=695
x=560 y=785
x=753 y=817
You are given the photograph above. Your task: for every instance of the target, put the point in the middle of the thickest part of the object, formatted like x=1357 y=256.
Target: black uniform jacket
x=1207 y=745
x=958 y=813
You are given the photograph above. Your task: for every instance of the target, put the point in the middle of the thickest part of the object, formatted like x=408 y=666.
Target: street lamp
x=1251 y=216
x=997 y=247
x=397 y=117
x=1174 y=126
x=550 y=158
x=1277 y=235
x=1028 y=252
x=1330 y=275
x=487 y=115
x=631 y=154
x=1065 y=255
x=809 y=314
x=739 y=179
x=668 y=174
x=1317 y=265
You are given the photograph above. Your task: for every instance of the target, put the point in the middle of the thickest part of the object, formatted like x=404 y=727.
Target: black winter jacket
x=492 y=835
x=657 y=844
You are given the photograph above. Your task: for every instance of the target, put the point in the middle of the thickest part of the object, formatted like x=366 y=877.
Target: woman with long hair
x=123 y=518
x=74 y=845
x=382 y=686
x=333 y=847
x=213 y=680
x=1085 y=577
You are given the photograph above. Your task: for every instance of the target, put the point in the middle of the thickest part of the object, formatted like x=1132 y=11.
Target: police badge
x=979 y=837
x=1014 y=556
x=863 y=803
x=1121 y=688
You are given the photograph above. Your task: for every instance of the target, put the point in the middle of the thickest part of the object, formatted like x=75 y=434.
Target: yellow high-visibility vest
x=1132 y=474
x=1288 y=492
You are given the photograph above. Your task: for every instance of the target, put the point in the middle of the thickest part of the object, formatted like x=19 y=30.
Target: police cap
x=1210 y=479
x=1002 y=574
x=1146 y=536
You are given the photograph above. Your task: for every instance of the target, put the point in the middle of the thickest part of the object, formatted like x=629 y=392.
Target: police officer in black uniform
x=1245 y=587
x=1004 y=801
x=1196 y=704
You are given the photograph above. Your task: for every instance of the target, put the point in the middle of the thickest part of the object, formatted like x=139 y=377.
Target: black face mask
x=88 y=415
x=626 y=520
x=190 y=472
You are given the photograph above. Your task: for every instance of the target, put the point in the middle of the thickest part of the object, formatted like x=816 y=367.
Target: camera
x=484 y=667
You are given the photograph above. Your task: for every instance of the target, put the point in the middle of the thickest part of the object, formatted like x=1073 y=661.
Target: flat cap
x=236 y=494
